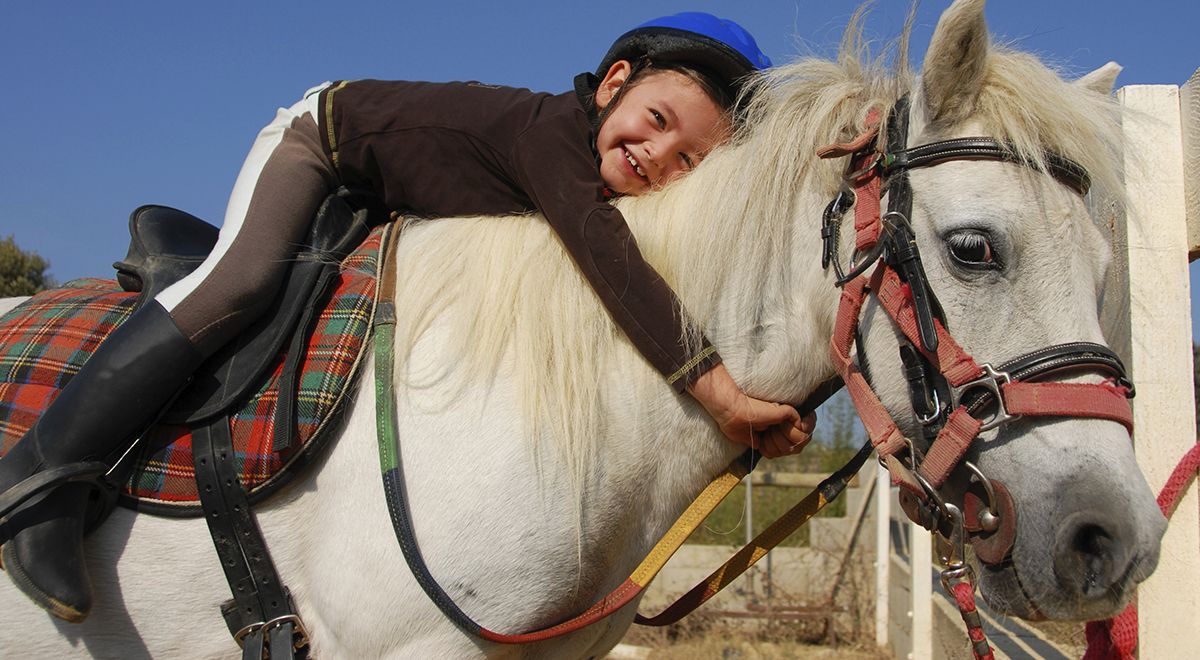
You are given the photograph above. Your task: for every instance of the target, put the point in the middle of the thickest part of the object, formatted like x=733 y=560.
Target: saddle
x=255 y=412
x=277 y=419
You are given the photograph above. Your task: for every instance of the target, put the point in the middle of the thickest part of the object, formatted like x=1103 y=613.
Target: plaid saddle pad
x=46 y=339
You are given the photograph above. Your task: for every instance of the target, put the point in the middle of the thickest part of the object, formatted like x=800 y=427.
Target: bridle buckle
x=870 y=166
x=992 y=382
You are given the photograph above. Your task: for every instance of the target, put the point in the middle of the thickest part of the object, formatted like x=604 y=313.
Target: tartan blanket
x=45 y=340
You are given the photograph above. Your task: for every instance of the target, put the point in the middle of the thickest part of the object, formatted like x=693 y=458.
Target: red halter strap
x=1011 y=394
x=1018 y=398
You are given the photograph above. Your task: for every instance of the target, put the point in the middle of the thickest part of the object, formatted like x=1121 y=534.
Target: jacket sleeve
x=558 y=171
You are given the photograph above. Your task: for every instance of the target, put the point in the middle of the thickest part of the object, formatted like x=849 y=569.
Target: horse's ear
x=956 y=63
x=1101 y=80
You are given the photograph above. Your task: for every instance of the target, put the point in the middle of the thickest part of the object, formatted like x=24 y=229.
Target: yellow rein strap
x=691 y=519
x=783 y=527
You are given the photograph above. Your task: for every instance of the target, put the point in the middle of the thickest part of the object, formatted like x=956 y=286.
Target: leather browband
x=1065 y=170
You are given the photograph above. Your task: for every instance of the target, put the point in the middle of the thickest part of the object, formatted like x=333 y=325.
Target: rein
x=691 y=519
x=950 y=391
x=954 y=397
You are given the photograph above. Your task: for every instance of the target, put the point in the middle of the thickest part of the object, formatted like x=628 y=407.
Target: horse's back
x=8 y=303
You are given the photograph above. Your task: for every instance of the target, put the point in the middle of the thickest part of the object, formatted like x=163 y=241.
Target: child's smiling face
x=662 y=126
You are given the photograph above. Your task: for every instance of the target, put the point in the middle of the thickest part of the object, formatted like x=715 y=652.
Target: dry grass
x=1069 y=635
x=700 y=638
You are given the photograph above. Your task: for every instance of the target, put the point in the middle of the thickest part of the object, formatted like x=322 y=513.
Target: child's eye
x=659 y=119
x=688 y=163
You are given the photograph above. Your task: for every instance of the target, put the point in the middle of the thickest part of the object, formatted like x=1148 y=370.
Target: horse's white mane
x=725 y=238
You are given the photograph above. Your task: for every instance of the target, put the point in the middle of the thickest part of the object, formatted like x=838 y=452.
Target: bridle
x=954 y=397
x=948 y=387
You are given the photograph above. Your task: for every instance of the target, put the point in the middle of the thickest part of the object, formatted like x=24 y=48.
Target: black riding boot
x=133 y=374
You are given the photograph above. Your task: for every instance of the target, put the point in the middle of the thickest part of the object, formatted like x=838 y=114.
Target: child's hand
x=772 y=428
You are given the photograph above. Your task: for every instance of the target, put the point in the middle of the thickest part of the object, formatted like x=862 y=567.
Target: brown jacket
x=449 y=149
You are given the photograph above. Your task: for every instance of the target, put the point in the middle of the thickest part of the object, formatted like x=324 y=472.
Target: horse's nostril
x=1095 y=549
x=1091 y=560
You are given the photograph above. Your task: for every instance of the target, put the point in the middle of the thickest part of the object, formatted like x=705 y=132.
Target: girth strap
x=261 y=609
x=289 y=380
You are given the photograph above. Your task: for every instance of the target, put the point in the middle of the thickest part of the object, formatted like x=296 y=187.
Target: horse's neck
x=645 y=450
x=776 y=348
x=767 y=304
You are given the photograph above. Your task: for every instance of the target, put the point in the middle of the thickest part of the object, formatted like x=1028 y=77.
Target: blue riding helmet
x=718 y=47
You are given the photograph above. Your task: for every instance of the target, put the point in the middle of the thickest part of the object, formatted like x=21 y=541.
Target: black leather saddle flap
x=233 y=373
x=160 y=256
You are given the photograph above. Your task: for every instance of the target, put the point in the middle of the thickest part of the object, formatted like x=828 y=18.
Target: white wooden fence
x=1150 y=327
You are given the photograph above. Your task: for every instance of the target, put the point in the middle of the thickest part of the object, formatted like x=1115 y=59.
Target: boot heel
x=45 y=560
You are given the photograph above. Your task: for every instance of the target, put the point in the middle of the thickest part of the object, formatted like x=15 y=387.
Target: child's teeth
x=637 y=168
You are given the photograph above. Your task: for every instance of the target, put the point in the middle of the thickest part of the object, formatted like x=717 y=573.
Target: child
x=662 y=101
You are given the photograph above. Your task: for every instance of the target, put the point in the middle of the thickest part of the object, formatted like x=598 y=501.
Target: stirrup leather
x=84 y=471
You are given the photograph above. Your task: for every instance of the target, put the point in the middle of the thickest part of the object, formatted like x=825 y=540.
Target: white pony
x=543 y=457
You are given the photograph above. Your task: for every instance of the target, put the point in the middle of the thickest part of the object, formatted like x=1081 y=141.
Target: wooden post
x=1189 y=116
x=922 y=591
x=1160 y=344
x=883 y=553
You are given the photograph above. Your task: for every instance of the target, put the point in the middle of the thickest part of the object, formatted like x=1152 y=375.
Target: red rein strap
x=964 y=597
x=1117 y=638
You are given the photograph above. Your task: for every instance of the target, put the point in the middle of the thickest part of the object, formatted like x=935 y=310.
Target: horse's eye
x=972 y=249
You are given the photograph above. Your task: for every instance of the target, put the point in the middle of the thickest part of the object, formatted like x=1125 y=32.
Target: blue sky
x=111 y=105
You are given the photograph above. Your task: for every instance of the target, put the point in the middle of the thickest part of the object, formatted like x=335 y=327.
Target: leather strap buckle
x=299 y=632
x=992 y=382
